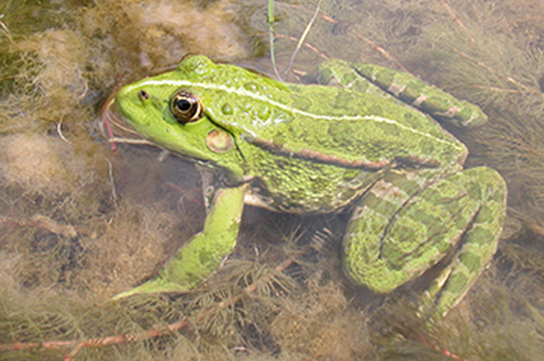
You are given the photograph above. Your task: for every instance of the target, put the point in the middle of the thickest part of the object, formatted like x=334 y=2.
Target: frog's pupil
x=183 y=105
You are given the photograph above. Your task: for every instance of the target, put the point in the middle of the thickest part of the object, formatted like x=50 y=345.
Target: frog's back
x=335 y=125
x=364 y=130
x=320 y=123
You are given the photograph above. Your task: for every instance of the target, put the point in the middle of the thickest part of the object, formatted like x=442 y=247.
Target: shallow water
x=81 y=221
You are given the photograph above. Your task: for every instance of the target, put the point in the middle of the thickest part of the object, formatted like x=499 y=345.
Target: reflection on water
x=80 y=222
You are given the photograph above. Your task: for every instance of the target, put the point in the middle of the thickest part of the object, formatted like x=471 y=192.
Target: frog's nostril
x=143 y=95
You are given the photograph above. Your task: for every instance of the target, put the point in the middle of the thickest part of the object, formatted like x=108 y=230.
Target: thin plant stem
x=302 y=38
x=272 y=36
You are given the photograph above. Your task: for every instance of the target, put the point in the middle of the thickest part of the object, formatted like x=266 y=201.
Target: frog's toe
x=155 y=285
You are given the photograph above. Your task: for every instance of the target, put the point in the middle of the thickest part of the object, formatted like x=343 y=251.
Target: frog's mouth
x=116 y=128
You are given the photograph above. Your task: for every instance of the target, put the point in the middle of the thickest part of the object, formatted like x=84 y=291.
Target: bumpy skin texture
x=318 y=149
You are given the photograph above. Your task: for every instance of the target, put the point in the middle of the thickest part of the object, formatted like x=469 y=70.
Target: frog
x=362 y=139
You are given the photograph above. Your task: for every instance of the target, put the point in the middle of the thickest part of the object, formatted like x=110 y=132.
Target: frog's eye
x=186 y=107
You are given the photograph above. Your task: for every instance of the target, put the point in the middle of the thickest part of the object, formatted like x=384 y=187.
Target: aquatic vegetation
x=79 y=223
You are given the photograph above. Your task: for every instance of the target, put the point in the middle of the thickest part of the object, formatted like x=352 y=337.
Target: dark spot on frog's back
x=251 y=86
x=297 y=131
x=375 y=109
x=263 y=112
x=227 y=109
x=247 y=107
x=344 y=100
x=339 y=131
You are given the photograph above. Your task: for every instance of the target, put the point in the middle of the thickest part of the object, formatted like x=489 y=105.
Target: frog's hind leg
x=430 y=99
x=402 y=227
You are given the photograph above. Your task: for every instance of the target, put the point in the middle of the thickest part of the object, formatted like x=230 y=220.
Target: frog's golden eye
x=186 y=107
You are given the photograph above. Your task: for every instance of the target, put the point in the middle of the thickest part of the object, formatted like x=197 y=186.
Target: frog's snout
x=128 y=103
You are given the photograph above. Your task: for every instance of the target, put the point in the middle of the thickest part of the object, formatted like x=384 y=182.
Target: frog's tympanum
x=344 y=146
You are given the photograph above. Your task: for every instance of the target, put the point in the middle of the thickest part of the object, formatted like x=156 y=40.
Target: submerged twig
x=93 y=342
x=321 y=15
x=78 y=345
x=114 y=140
x=456 y=18
x=442 y=350
x=112 y=180
x=43 y=222
x=183 y=192
x=382 y=51
x=308 y=45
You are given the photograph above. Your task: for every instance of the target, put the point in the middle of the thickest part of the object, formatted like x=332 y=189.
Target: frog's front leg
x=204 y=252
x=403 y=227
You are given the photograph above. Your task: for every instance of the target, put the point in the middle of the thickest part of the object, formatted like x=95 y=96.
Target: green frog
x=365 y=140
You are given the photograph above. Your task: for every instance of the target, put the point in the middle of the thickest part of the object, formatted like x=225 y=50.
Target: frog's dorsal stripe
x=340 y=161
x=241 y=91
x=315 y=155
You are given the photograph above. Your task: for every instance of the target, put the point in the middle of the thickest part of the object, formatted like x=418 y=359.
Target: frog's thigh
x=386 y=246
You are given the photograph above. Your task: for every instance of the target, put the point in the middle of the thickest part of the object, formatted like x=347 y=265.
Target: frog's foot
x=155 y=285
x=193 y=263
x=479 y=244
x=458 y=218
x=205 y=251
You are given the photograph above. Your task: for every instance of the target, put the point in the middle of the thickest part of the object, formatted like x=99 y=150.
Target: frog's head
x=172 y=111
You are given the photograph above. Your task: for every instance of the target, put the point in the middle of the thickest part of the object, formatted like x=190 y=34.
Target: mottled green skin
x=318 y=149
